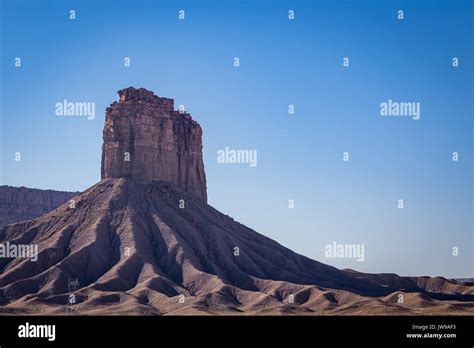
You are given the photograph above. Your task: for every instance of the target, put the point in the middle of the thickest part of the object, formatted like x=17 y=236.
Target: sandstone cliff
x=146 y=139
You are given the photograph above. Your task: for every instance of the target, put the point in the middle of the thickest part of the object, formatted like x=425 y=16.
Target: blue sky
x=283 y=62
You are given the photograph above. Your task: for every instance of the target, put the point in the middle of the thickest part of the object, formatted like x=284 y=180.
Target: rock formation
x=129 y=247
x=146 y=139
x=21 y=203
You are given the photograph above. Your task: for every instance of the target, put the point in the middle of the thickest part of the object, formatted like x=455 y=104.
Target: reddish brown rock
x=146 y=139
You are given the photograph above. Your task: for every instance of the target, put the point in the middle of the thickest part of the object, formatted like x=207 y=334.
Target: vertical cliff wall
x=146 y=139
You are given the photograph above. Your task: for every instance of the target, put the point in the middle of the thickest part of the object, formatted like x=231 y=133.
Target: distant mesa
x=22 y=203
x=146 y=139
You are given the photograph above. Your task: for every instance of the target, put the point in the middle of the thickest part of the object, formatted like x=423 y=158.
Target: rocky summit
x=144 y=241
x=146 y=139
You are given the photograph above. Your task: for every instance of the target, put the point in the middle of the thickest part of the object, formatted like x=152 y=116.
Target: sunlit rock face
x=146 y=139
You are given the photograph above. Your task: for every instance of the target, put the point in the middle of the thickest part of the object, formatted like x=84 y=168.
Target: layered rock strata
x=146 y=139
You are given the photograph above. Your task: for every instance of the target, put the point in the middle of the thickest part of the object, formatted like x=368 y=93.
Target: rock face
x=21 y=203
x=146 y=139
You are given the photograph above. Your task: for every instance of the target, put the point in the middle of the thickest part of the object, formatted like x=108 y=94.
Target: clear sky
x=282 y=62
